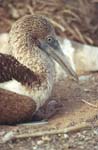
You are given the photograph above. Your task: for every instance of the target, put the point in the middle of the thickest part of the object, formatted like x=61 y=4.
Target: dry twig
x=11 y=135
x=57 y=24
x=90 y=104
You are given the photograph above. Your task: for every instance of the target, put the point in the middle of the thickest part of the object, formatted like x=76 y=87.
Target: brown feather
x=15 y=108
x=10 y=68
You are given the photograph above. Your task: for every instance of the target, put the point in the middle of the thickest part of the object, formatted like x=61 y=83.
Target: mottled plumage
x=33 y=46
x=25 y=47
x=12 y=69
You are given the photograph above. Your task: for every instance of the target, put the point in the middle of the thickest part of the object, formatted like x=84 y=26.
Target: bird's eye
x=49 y=39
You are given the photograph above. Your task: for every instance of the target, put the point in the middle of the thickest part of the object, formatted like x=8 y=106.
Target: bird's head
x=45 y=38
x=41 y=34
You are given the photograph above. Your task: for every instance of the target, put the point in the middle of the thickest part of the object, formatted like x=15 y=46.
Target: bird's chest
x=42 y=91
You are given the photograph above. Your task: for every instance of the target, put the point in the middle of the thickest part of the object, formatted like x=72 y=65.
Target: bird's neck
x=42 y=66
x=37 y=61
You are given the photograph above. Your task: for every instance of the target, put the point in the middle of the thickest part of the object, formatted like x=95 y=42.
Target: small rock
x=35 y=147
x=40 y=142
x=8 y=136
x=46 y=138
x=66 y=136
x=84 y=78
x=95 y=131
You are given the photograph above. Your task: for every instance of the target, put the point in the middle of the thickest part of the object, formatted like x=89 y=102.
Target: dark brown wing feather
x=15 y=108
x=10 y=68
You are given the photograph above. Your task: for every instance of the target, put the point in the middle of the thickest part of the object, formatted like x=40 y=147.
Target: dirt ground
x=73 y=96
x=74 y=112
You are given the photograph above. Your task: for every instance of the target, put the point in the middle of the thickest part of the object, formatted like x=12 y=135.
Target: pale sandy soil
x=74 y=112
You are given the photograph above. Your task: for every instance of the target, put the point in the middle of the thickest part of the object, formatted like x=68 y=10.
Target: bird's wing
x=14 y=107
x=10 y=69
x=14 y=76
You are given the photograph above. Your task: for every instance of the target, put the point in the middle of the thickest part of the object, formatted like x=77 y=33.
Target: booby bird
x=33 y=46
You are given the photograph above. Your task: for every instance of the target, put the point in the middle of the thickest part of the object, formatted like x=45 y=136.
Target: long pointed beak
x=62 y=59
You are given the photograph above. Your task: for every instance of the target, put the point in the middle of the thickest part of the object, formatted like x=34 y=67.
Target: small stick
x=80 y=36
x=68 y=11
x=75 y=128
x=34 y=124
x=30 y=9
x=88 y=39
x=57 y=24
x=90 y=104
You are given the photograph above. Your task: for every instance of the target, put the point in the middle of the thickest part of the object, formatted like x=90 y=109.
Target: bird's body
x=33 y=46
x=27 y=53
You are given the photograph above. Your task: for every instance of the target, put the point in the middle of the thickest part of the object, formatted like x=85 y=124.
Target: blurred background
x=74 y=19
